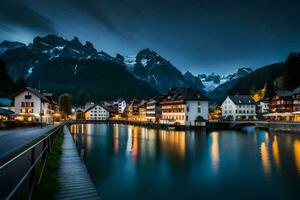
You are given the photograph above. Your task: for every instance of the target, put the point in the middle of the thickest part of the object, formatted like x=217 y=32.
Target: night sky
x=201 y=36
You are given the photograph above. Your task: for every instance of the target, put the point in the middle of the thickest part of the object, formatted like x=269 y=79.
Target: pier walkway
x=74 y=180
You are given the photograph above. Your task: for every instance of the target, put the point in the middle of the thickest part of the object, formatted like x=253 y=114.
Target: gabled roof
x=284 y=93
x=296 y=91
x=32 y=91
x=242 y=99
x=185 y=94
x=91 y=106
x=5 y=112
x=120 y=100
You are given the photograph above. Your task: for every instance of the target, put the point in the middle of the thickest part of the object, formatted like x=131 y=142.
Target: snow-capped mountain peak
x=213 y=80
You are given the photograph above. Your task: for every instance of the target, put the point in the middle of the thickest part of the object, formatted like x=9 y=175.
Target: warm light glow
x=173 y=143
x=275 y=148
x=258 y=95
x=297 y=154
x=215 y=151
x=116 y=138
x=265 y=159
x=135 y=143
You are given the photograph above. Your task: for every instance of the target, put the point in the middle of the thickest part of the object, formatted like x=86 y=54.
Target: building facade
x=263 y=107
x=121 y=106
x=238 y=107
x=30 y=104
x=282 y=102
x=184 y=106
x=296 y=100
x=96 y=112
x=154 y=110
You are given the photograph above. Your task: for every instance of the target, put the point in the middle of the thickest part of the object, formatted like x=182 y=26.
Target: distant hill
x=257 y=79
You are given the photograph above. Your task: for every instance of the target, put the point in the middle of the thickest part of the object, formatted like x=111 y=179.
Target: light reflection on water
x=132 y=162
x=297 y=154
x=215 y=151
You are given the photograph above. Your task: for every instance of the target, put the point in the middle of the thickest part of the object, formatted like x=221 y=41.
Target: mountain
x=69 y=66
x=149 y=66
x=226 y=83
x=7 y=45
x=194 y=81
x=213 y=81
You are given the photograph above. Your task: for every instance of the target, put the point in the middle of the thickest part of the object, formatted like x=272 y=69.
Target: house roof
x=5 y=112
x=284 y=93
x=242 y=99
x=33 y=91
x=91 y=106
x=185 y=94
x=296 y=91
x=120 y=100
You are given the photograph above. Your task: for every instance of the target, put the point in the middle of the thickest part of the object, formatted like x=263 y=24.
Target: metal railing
x=23 y=172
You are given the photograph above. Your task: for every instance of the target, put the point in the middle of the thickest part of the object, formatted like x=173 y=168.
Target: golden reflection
x=265 y=158
x=297 y=154
x=275 y=148
x=215 y=151
x=82 y=129
x=129 y=139
x=88 y=129
x=267 y=138
x=116 y=138
x=135 y=143
x=173 y=143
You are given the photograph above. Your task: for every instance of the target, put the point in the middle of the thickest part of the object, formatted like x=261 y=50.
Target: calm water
x=131 y=162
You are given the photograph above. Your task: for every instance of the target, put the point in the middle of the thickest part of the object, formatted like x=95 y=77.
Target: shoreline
x=276 y=126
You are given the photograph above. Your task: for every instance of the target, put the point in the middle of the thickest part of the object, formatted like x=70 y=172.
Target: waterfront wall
x=210 y=126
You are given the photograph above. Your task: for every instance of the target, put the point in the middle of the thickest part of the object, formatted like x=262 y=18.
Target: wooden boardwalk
x=74 y=180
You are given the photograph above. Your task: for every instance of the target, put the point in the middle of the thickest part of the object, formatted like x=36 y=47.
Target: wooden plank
x=74 y=180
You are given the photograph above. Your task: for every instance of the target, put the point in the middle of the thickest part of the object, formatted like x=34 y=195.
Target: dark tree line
x=291 y=75
x=7 y=84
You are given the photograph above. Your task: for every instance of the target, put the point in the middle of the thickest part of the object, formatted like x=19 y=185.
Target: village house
x=121 y=105
x=239 y=107
x=96 y=112
x=142 y=108
x=30 y=104
x=282 y=102
x=153 y=109
x=263 y=106
x=296 y=100
x=184 y=106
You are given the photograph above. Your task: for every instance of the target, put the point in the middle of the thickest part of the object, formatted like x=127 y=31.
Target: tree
x=6 y=83
x=20 y=84
x=83 y=97
x=292 y=71
x=65 y=104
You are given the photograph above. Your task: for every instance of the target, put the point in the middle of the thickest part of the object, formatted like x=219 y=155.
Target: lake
x=132 y=162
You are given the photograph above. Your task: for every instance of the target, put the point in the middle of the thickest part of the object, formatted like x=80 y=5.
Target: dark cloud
x=198 y=35
x=15 y=13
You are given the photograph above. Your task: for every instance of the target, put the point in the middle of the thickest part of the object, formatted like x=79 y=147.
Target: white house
x=239 y=107
x=263 y=106
x=121 y=105
x=96 y=112
x=184 y=106
x=30 y=104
